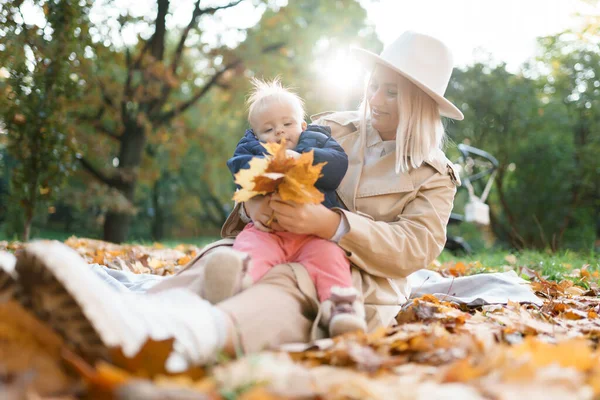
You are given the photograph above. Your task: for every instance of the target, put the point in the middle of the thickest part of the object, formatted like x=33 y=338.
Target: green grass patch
x=200 y=241
x=553 y=266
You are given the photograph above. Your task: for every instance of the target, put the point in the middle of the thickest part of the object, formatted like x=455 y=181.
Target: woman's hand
x=308 y=219
x=260 y=212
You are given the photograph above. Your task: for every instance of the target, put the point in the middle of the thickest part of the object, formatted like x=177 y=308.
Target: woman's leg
x=92 y=316
x=271 y=312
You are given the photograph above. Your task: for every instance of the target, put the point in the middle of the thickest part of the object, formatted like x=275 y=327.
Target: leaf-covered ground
x=437 y=350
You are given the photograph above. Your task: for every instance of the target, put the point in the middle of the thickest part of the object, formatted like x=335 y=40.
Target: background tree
x=543 y=126
x=38 y=66
x=146 y=90
x=569 y=69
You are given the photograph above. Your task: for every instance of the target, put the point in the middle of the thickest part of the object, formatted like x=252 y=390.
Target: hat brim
x=447 y=109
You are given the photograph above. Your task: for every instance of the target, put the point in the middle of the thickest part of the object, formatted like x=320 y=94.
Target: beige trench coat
x=397 y=221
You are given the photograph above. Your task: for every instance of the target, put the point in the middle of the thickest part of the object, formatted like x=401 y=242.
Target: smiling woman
x=382 y=95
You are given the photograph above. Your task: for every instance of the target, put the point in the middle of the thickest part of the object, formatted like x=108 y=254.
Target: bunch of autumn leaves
x=293 y=178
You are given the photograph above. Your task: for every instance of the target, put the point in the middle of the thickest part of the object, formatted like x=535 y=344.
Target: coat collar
x=343 y=118
x=373 y=136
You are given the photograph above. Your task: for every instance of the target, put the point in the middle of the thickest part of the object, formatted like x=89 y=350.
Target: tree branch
x=111 y=134
x=107 y=100
x=114 y=182
x=180 y=108
x=212 y=10
x=157 y=41
x=184 y=35
x=97 y=124
x=127 y=91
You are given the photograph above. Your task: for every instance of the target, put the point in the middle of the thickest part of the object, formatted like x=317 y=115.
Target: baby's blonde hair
x=265 y=93
x=420 y=130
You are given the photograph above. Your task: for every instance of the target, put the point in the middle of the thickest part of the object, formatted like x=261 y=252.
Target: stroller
x=474 y=165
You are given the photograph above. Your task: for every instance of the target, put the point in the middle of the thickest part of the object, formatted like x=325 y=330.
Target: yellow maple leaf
x=245 y=178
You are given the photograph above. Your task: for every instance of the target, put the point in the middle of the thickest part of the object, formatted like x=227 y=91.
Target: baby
x=275 y=113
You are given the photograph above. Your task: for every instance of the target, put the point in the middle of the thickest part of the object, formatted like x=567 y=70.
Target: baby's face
x=279 y=121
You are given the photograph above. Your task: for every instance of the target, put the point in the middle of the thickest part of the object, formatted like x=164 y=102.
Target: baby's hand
x=292 y=154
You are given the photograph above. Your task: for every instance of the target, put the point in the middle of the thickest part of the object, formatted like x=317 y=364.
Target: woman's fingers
x=275 y=226
x=281 y=207
x=286 y=222
x=259 y=225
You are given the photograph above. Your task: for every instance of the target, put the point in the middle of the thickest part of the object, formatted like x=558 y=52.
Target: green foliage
x=40 y=62
x=554 y=266
x=543 y=126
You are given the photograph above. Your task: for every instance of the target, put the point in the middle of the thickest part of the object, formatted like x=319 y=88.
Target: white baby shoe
x=225 y=274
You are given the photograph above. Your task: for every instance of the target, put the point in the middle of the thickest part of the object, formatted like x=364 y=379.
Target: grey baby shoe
x=344 y=312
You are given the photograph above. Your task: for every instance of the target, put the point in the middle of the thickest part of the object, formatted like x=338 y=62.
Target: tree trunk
x=27 y=227
x=116 y=227
x=116 y=224
x=158 y=223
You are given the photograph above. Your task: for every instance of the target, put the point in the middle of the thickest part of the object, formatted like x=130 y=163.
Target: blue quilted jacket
x=315 y=137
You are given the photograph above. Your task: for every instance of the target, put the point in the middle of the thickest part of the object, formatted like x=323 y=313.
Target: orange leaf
x=268 y=182
x=149 y=361
x=184 y=260
x=293 y=178
x=28 y=345
x=298 y=184
x=459 y=269
x=575 y=353
x=102 y=380
x=279 y=161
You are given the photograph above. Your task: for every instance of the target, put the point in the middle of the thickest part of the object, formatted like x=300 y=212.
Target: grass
x=553 y=266
x=44 y=234
x=200 y=241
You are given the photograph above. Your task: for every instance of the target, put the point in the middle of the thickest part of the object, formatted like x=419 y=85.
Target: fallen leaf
x=574 y=353
x=150 y=361
x=29 y=347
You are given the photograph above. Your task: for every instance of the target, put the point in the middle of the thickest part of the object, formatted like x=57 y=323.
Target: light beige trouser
x=271 y=312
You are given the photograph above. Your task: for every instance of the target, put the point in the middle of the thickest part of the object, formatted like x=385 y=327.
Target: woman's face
x=382 y=95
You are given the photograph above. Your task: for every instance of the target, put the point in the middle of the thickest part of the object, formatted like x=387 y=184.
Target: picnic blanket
x=474 y=290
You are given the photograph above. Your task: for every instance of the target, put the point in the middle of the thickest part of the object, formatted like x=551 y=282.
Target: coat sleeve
x=246 y=149
x=411 y=242
x=337 y=163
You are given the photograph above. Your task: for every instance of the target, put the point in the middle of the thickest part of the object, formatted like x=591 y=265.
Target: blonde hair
x=265 y=93
x=420 y=130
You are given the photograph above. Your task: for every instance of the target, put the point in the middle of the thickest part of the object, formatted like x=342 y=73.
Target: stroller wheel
x=458 y=245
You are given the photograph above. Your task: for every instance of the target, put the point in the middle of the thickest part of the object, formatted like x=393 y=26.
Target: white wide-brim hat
x=423 y=60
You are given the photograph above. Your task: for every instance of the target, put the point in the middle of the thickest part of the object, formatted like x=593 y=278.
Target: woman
x=398 y=192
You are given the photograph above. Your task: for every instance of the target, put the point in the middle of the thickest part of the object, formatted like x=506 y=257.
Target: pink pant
x=325 y=261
